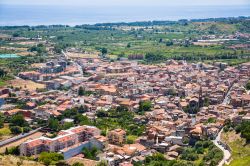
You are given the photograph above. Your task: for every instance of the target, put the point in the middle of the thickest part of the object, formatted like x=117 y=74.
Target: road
x=66 y=56
x=226 y=152
x=227 y=97
x=20 y=141
x=79 y=67
x=15 y=138
x=75 y=63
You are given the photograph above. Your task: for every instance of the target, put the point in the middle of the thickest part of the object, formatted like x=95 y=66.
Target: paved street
x=227 y=97
x=20 y=136
x=226 y=152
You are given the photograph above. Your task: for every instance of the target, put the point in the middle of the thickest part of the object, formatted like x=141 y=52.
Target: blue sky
x=127 y=2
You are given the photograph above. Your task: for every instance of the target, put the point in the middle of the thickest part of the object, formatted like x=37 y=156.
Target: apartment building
x=117 y=136
x=64 y=142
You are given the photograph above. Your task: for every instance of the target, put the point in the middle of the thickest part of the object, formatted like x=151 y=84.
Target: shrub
x=244 y=129
x=189 y=154
x=26 y=129
x=67 y=125
x=18 y=120
x=50 y=158
x=90 y=153
x=78 y=164
x=145 y=106
x=16 y=129
x=248 y=85
x=102 y=163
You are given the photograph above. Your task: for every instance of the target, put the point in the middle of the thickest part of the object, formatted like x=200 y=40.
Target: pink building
x=65 y=139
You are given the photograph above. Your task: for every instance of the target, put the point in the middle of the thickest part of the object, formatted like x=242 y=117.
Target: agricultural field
x=206 y=40
x=172 y=40
x=82 y=55
x=26 y=84
x=10 y=67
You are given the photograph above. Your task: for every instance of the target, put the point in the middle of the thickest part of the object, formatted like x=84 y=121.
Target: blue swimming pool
x=9 y=56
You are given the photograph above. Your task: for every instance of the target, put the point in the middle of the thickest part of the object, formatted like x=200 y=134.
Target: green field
x=160 y=40
x=5 y=133
x=240 y=149
x=124 y=40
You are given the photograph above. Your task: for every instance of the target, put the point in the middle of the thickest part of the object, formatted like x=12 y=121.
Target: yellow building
x=117 y=136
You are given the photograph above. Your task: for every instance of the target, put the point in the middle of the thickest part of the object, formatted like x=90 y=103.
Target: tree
x=50 y=158
x=90 y=153
x=158 y=159
x=244 y=129
x=6 y=151
x=121 y=55
x=16 y=129
x=3 y=73
x=130 y=140
x=248 y=85
x=81 y=109
x=128 y=45
x=104 y=51
x=62 y=163
x=1 y=120
x=26 y=129
x=78 y=164
x=53 y=124
x=189 y=154
x=60 y=37
x=40 y=48
x=154 y=57
x=211 y=120
x=122 y=109
x=169 y=43
x=145 y=106
x=101 y=114
x=15 y=34
x=40 y=45
x=206 y=102
x=18 y=120
x=172 y=92
x=13 y=150
x=80 y=91
x=67 y=125
x=58 y=49
x=69 y=113
x=81 y=119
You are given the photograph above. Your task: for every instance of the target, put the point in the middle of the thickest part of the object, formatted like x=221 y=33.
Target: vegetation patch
x=240 y=148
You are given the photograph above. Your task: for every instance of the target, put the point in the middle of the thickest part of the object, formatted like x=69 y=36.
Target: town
x=168 y=93
x=171 y=105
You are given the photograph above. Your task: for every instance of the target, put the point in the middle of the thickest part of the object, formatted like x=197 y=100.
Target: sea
x=77 y=15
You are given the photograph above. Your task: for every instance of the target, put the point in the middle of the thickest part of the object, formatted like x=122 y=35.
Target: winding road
x=226 y=152
x=217 y=141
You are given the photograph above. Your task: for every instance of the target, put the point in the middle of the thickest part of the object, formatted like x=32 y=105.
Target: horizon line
x=172 y=5
x=124 y=22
